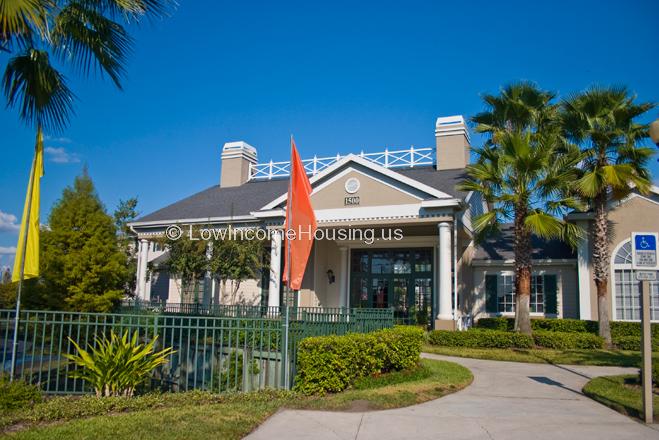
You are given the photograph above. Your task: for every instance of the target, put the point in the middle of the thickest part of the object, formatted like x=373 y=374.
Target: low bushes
x=633 y=343
x=18 y=394
x=480 y=339
x=567 y=341
x=504 y=339
x=619 y=329
x=333 y=363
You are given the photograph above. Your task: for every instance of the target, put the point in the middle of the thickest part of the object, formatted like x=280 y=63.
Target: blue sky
x=340 y=76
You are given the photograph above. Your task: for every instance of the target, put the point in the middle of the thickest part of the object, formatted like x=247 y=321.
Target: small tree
x=188 y=261
x=234 y=260
x=126 y=212
x=82 y=265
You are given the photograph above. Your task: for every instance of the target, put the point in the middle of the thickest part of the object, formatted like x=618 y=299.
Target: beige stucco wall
x=566 y=283
x=235 y=172
x=327 y=256
x=637 y=214
x=371 y=193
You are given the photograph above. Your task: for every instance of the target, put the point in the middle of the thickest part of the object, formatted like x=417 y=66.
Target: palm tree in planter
x=523 y=173
x=602 y=122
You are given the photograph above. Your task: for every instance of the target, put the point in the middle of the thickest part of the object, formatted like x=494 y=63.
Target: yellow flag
x=30 y=226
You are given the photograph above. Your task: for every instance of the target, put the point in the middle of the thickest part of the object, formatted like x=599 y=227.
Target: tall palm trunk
x=522 y=271
x=601 y=263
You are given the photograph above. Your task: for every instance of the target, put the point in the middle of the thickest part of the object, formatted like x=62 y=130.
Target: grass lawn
x=204 y=415
x=614 y=358
x=620 y=393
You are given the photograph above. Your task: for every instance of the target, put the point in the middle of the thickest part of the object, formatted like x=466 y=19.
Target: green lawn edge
x=612 y=391
x=197 y=414
x=608 y=358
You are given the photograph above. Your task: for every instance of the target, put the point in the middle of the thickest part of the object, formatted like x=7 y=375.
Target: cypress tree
x=83 y=268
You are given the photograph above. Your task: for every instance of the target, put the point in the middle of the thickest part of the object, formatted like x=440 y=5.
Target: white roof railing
x=407 y=158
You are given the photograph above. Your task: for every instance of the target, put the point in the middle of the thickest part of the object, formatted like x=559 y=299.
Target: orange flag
x=300 y=221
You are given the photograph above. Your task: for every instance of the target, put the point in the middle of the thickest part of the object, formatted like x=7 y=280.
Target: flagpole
x=289 y=217
x=24 y=250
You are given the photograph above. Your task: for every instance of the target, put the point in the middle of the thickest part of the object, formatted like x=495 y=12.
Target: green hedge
x=567 y=341
x=618 y=328
x=504 y=339
x=480 y=339
x=633 y=343
x=329 y=364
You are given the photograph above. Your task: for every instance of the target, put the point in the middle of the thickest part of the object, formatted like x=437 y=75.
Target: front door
x=393 y=278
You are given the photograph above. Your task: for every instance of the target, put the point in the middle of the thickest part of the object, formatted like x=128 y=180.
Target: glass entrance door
x=393 y=278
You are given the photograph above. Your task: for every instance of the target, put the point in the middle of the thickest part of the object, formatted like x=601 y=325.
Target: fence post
x=284 y=348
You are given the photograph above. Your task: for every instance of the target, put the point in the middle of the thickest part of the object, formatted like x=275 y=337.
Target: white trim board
x=372 y=166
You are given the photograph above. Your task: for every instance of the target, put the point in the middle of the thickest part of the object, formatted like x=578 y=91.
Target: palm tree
x=523 y=172
x=602 y=122
x=85 y=34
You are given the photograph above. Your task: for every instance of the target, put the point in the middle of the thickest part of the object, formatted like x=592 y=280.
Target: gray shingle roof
x=221 y=202
x=252 y=196
x=444 y=180
x=500 y=247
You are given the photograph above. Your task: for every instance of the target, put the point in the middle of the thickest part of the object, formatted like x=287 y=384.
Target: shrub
x=117 y=365
x=633 y=343
x=333 y=363
x=567 y=341
x=619 y=329
x=622 y=328
x=480 y=339
x=547 y=324
x=402 y=347
x=18 y=394
x=499 y=323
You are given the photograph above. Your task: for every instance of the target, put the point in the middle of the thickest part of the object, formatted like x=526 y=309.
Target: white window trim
x=612 y=282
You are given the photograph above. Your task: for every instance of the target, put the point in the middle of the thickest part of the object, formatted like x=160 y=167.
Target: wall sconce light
x=330 y=276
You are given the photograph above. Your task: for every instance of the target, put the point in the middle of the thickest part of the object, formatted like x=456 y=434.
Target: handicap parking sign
x=644 y=251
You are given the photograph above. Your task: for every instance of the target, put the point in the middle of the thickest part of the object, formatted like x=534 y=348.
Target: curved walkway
x=507 y=400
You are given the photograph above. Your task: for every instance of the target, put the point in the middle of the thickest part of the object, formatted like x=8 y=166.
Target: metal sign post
x=644 y=262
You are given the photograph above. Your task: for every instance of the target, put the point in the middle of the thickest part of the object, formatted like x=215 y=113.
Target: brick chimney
x=236 y=158
x=452 y=136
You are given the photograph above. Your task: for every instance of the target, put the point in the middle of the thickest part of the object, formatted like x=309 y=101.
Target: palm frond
x=133 y=10
x=88 y=39
x=38 y=89
x=544 y=225
x=20 y=18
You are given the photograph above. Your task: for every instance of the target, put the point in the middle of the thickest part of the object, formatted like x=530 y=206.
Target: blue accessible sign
x=644 y=251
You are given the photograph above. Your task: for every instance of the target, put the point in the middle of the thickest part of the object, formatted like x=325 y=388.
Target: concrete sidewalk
x=507 y=400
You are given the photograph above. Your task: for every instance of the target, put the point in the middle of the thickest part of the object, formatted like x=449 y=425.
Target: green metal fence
x=212 y=353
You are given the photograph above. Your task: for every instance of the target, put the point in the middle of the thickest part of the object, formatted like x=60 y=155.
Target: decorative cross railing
x=408 y=158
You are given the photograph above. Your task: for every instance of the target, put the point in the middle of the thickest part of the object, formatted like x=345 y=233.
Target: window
x=506 y=294
x=500 y=292
x=627 y=293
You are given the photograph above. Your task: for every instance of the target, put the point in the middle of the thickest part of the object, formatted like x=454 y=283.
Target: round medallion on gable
x=352 y=185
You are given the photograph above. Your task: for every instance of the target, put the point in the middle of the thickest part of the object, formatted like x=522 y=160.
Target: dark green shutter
x=491 y=300
x=551 y=303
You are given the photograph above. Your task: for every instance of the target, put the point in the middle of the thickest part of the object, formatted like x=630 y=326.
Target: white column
x=583 y=266
x=444 y=291
x=141 y=276
x=275 y=269
x=343 y=277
